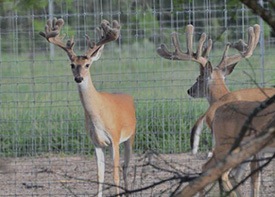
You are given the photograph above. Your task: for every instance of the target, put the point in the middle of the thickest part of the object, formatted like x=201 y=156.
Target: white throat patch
x=84 y=84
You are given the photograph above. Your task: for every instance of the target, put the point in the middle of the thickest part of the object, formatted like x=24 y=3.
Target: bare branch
x=232 y=160
x=258 y=9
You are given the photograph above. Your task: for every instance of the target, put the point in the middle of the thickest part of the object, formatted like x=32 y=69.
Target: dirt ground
x=57 y=175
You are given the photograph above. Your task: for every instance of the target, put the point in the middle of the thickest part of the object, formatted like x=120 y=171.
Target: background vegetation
x=40 y=109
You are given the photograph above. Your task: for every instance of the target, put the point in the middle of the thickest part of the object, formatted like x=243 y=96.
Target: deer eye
x=72 y=66
x=87 y=65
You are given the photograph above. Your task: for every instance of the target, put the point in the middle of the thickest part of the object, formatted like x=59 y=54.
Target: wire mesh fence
x=41 y=118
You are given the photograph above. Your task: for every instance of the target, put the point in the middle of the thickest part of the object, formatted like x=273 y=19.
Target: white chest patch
x=84 y=84
x=98 y=133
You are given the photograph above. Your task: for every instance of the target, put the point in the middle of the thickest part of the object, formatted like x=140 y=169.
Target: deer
x=228 y=122
x=109 y=117
x=235 y=125
x=210 y=83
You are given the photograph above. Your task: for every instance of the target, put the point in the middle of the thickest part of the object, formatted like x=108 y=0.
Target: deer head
x=210 y=83
x=80 y=64
x=200 y=56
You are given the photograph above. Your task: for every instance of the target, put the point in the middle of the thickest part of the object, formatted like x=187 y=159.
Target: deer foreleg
x=100 y=169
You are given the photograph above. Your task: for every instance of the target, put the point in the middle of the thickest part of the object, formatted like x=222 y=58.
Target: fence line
x=42 y=134
x=34 y=84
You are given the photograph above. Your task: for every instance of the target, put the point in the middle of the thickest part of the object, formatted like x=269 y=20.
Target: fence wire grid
x=44 y=148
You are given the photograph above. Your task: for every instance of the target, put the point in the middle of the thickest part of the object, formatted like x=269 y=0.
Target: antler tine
x=52 y=34
x=257 y=31
x=225 y=53
x=207 y=50
x=189 y=38
x=164 y=52
x=200 y=45
x=203 y=52
x=202 y=55
x=199 y=56
x=245 y=50
x=177 y=54
x=176 y=43
x=251 y=43
x=107 y=34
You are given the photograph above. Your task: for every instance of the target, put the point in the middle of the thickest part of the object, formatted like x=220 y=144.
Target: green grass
x=41 y=111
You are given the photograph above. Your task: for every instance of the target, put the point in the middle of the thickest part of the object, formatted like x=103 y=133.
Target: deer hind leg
x=239 y=172
x=128 y=145
x=100 y=169
x=115 y=154
x=226 y=184
x=255 y=178
x=195 y=134
x=209 y=164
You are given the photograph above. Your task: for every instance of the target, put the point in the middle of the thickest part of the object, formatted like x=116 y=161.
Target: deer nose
x=78 y=79
x=188 y=91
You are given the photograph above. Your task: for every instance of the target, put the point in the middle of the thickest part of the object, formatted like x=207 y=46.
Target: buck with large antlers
x=110 y=118
x=211 y=81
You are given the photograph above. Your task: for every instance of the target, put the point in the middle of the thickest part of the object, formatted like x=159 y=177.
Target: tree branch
x=267 y=15
x=231 y=161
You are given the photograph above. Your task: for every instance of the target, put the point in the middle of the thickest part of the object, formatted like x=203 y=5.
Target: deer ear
x=229 y=69
x=97 y=54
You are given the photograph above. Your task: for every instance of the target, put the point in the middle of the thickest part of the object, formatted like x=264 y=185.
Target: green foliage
x=144 y=23
x=43 y=114
x=233 y=4
x=267 y=30
x=40 y=25
x=21 y=6
x=34 y=135
x=31 y=4
x=164 y=125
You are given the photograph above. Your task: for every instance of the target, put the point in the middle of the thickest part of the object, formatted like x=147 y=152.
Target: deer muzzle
x=78 y=79
x=194 y=92
x=190 y=92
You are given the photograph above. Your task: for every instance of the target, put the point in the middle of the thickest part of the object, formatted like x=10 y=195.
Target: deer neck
x=217 y=88
x=89 y=96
